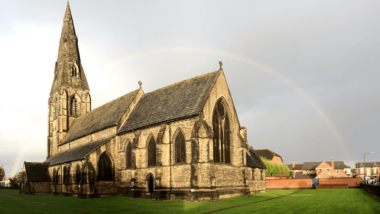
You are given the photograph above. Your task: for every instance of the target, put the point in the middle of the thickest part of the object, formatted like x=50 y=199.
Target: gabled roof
x=100 y=118
x=180 y=100
x=77 y=153
x=300 y=175
x=253 y=160
x=266 y=153
x=341 y=175
x=36 y=172
x=367 y=164
x=313 y=165
x=324 y=174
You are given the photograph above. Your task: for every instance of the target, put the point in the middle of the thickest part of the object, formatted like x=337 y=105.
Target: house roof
x=77 y=153
x=367 y=164
x=266 y=153
x=289 y=166
x=296 y=166
x=313 y=165
x=36 y=172
x=253 y=160
x=300 y=175
x=100 y=118
x=341 y=175
x=183 y=99
x=324 y=174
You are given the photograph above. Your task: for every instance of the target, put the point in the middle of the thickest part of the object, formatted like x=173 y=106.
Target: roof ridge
x=173 y=84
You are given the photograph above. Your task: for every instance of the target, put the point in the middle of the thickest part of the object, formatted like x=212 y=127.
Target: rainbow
x=220 y=53
x=249 y=61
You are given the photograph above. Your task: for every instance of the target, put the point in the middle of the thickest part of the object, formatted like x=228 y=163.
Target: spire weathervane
x=221 y=64
x=140 y=83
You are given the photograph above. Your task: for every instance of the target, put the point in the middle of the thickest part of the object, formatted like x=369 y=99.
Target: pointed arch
x=221 y=125
x=105 y=167
x=151 y=145
x=180 y=146
x=128 y=153
x=78 y=174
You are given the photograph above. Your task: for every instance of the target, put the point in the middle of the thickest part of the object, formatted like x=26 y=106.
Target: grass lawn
x=306 y=201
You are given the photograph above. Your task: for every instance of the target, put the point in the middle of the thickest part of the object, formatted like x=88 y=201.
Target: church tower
x=70 y=93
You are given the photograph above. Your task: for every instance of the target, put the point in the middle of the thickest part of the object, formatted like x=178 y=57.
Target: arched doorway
x=150 y=184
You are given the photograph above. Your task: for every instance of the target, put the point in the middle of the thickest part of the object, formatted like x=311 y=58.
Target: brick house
x=372 y=169
x=324 y=169
x=295 y=168
x=269 y=155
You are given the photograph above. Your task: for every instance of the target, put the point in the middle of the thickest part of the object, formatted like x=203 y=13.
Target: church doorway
x=150 y=184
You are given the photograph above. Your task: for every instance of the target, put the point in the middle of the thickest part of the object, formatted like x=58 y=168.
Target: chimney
x=332 y=162
x=293 y=164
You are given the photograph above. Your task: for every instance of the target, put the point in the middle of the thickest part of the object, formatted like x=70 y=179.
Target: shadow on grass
x=118 y=204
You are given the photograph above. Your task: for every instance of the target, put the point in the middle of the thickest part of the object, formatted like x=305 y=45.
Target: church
x=182 y=141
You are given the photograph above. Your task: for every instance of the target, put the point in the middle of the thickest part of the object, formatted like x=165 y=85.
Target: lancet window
x=151 y=152
x=105 y=167
x=129 y=155
x=180 y=148
x=221 y=137
x=74 y=106
x=77 y=174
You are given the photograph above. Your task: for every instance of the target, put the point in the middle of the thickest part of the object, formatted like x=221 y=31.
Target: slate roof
x=179 y=100
x=313 y=165
x=36 y=172
x=253 y=160
x=296 y=166
x=100 y=118
x=266 y=153
x=299 y=175
x=77 y=153
x=367 y=164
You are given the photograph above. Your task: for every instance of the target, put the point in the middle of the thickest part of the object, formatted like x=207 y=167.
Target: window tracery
x=221 y=137
x=105 y=167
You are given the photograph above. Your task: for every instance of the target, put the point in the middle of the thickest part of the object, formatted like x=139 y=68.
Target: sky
x=304 y=75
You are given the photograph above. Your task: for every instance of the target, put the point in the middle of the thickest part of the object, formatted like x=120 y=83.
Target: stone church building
x=180 y=141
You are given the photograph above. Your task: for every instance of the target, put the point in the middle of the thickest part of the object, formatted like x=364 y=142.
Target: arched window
x=129 y=155
x=66 y=173
x=152 y=152
x=74 y=106
x=78 y=174
x=54 y=177
x=105 y=168
x=221 y=137
x=180 y=148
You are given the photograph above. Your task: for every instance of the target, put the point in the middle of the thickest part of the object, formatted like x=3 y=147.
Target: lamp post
x=371 y=153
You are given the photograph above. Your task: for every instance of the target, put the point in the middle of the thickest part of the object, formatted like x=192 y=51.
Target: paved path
x=253 y=202
x=44 y=204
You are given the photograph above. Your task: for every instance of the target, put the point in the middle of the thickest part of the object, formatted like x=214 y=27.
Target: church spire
x=68 y=68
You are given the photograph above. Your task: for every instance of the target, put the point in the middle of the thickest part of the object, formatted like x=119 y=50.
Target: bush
x=274 y=169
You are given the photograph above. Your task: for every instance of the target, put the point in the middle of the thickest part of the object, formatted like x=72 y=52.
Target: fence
x=371 y=189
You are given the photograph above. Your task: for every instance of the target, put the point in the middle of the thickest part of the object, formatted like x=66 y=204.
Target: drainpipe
x=170 y=161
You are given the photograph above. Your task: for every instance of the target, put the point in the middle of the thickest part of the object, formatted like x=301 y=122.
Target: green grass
x=307 y=201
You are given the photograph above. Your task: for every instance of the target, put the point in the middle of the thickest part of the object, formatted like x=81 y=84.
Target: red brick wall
x=275 y=177
x=331 y=186
x=289 y=184
x=276 y=159
x=352 y=182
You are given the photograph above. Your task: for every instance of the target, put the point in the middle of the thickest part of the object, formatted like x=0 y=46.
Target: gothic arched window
x=74 y=106
x=221 y=137
x=78 y=174
x=151 y=152
x=180 y=148
x=66 y=173
x=105 y=168
x=129 y=155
